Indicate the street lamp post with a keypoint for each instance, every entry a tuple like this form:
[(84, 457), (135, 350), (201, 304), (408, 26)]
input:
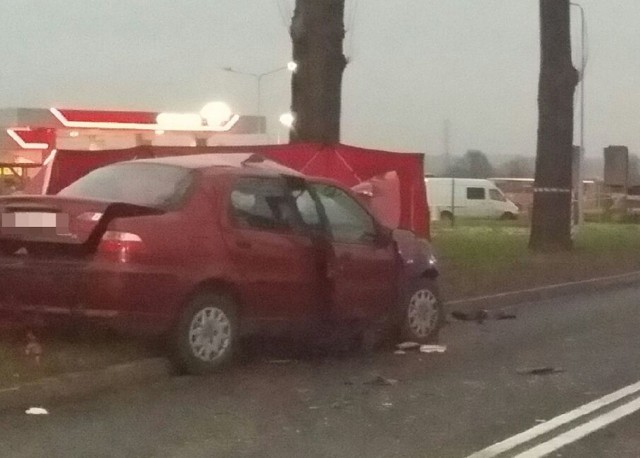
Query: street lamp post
[(583, 64), (291, 66)]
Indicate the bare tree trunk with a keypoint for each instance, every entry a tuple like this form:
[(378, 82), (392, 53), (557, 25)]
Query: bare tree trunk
[(317, 33), (551, 220)]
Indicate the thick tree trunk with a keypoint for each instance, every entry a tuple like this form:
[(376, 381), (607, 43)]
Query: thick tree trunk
[(317, 33), (551, 220)]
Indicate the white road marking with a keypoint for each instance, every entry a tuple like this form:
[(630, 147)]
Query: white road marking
[(556, 422), (581, 431)]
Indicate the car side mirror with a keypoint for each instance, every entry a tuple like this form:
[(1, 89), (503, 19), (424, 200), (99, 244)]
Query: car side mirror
[(384, 236)]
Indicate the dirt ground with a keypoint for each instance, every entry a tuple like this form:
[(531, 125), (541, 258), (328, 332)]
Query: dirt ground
[(50, 352)]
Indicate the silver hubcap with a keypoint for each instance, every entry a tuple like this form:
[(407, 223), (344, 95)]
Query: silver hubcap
[(423, 313), (209, 334)]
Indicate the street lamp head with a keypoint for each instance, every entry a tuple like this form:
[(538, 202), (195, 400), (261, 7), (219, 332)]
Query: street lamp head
[(292, 66), (287, 120), (216, 113)]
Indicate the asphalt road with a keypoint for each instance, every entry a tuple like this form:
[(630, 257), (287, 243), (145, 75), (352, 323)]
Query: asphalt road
[(453, 404)]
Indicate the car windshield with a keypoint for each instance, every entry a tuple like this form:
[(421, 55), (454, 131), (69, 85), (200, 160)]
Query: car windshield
[(496, 195), (149, 185)]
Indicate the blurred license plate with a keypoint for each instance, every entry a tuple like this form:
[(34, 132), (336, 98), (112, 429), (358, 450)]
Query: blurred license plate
[(34, 219)]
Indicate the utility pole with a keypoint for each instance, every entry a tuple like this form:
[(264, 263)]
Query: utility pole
[(583, 65), (446, 140), (448, 164), (551, 219)]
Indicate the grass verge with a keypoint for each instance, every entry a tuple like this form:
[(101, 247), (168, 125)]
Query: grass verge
[(478, 259)]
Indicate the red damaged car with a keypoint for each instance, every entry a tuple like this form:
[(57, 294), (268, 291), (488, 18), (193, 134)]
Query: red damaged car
[(203, 249)]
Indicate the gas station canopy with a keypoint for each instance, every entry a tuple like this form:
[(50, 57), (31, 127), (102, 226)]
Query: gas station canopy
[(28, 135)]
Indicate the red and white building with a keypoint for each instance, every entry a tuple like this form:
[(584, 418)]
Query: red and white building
[(29, 135)]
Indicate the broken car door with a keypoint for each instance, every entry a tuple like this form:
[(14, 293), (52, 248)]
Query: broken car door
[(363, 263), (273, 253)]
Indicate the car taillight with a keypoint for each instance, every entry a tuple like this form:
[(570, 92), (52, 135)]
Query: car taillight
[(120, 246)]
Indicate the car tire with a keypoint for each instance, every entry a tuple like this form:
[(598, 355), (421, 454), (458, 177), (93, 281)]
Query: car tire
[(422, 312), (507, 216), (206, 334)]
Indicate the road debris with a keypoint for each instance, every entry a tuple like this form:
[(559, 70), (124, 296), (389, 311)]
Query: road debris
[(280, 361), (341, 404), (433, 348), (36, 411), (502, 315), (407, 345), (422, 348), (382, 381), (545, 370), (387, 404), (33, 348), (480, 316)]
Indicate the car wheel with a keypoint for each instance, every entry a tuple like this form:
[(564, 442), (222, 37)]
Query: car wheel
[(507, 216), (206, 334), (422, 312)]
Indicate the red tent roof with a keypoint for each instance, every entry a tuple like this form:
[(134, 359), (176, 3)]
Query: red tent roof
[(348, 165)]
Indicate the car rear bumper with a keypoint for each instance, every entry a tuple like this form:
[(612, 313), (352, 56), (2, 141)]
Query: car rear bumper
[(139, 299)]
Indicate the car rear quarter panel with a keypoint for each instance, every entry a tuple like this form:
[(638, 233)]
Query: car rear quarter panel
[(184, 251)]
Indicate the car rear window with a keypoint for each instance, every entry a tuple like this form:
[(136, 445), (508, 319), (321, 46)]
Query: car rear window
[(150, 185)]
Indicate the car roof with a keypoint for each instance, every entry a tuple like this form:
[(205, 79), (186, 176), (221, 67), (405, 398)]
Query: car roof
[(223, 163)]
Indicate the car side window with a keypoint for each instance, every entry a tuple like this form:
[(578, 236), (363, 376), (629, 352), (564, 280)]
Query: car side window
[(348, 221), (475, 193), (307, 208), (262, 203)]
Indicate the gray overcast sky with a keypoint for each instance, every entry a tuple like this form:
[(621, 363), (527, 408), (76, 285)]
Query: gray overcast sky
[(413, 63)]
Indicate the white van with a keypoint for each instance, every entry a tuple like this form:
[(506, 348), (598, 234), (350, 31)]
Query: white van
[(467, 198)]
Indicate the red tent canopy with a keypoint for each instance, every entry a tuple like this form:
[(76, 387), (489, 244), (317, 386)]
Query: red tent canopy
[(346, 164)]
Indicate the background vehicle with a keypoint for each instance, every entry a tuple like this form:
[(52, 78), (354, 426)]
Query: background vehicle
[(205, 248), (467, 198)]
